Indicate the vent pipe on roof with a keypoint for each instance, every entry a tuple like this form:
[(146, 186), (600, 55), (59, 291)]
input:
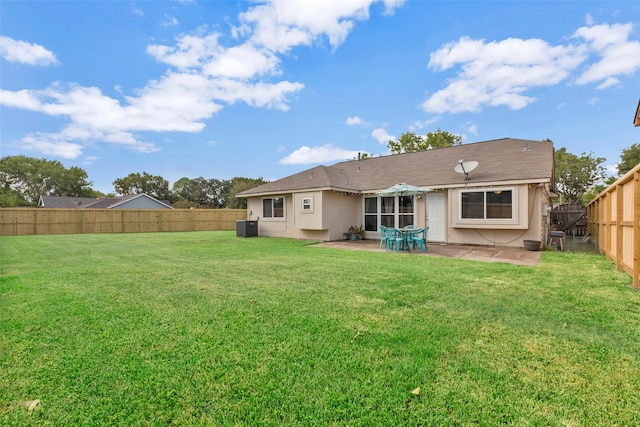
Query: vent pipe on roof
[(358, 156)]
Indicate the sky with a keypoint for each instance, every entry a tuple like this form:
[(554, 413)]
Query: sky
[(265, 89)]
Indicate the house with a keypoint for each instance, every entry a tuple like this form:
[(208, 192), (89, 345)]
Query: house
[(636, 119), (503, 201), (136, 201)]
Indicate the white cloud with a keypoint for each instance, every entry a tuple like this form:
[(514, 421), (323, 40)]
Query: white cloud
[(472, 128), (137, 11), (382, 136), (26, 53), (422, 124), (618, 54), (609, 82), (24, 98), (390, 6), (323, 154), (89, 160), (243, 62), (169, 21), (589, 19), (190, 51), (498, 73), (203, 75), (280, 25), (45, 145), (257, 95), (355, 121)]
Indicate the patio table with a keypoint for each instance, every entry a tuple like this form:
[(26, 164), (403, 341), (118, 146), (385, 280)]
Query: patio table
[(405, 234)]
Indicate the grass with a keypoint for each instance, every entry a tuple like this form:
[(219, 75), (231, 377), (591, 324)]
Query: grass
[(209, 329)]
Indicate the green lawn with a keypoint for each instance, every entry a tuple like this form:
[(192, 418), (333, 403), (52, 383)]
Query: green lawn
[(208, 329)]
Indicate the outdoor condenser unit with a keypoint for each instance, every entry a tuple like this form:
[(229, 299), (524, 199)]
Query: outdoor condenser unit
[(247, 228)]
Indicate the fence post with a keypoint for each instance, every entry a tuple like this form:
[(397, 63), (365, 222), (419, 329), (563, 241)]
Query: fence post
[(636, 229), (619, 227)]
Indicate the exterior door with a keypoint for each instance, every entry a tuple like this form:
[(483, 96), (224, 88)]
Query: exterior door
[(436, 217)]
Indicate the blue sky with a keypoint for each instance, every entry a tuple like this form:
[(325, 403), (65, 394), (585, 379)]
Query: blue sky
[(269, 88)]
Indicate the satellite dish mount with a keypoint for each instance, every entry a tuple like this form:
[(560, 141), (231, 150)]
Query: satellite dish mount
[(465, 168)]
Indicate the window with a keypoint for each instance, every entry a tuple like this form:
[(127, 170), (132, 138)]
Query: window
[(388, 211), (487, 204), (307, 204), (273, 208), (371, 214), (405, 211)]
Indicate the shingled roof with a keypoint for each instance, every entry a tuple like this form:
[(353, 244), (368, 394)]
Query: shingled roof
[(501, 160), (92, 203)]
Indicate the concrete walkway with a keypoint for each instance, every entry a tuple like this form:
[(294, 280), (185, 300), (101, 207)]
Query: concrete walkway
[(508, 255)]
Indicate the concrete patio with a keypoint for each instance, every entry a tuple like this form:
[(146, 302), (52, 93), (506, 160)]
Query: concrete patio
[(509, 255)]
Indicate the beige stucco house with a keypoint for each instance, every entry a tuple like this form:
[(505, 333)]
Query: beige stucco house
[(502, 202)]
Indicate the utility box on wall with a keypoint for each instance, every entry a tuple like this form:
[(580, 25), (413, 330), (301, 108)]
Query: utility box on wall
[(246, 228)]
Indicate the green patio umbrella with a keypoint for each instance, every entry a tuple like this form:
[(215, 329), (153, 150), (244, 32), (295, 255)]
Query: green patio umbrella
[(402, 189)]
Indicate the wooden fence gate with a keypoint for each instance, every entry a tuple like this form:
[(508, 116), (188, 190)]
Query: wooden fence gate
[(570, 219)]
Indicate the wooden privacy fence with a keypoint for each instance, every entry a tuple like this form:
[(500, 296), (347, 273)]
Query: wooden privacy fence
[(27, 221), (614, 223), (571, 219)]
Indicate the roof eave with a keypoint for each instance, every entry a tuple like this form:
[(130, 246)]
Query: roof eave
[(300, 190)]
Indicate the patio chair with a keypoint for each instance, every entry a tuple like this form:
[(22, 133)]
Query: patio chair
[(397, 239), (419, 238), (390, 238), (384, 236)]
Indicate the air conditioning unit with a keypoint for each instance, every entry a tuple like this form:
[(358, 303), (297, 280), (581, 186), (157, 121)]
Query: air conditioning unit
[(247, 228)]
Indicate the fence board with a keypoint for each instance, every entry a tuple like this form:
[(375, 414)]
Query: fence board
[(614, 223), (29, 221)]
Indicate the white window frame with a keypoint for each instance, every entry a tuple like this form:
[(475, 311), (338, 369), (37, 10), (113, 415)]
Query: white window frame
[(306, 204), (396, 211), (484, 219)]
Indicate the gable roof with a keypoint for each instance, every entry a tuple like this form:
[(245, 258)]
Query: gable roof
[(65, 202), (636, 120), (500, 160), (93, 203)]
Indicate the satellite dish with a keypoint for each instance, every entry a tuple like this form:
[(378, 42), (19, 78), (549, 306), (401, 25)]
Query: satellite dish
[(465, 168)]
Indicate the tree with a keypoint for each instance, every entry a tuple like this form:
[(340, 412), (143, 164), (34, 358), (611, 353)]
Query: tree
[(575, 176), (239, 184), (597, 189), (193, 191), (200, 192), (442, 138), (410, 142), (629, 159), (24, 179), (134, 183)]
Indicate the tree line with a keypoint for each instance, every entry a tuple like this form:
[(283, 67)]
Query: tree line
[(24, 179)]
